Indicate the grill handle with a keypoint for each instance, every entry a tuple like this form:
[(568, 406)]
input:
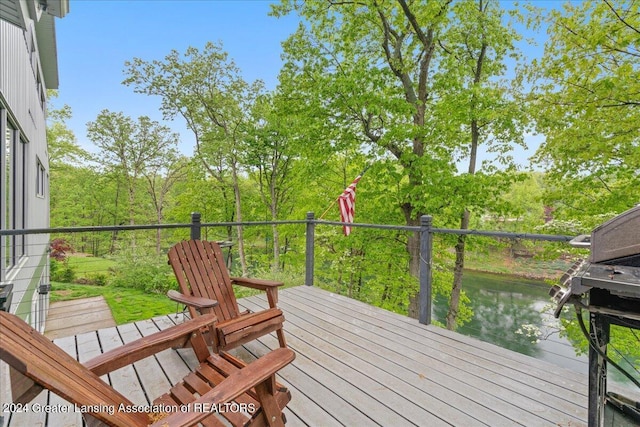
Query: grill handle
[(582, 241)]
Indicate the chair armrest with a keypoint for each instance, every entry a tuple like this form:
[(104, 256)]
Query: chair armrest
[(190, 300), (175, 336), (261, 284), (233, 386)]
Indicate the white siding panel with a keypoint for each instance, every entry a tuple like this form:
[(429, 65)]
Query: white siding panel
[(19, 88), (18, 84)]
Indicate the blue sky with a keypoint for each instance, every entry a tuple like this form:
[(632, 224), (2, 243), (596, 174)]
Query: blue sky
[(97, 36)]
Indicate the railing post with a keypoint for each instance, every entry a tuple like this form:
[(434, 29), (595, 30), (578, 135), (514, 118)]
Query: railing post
[(196, 228), (309, 257), (424, 298)]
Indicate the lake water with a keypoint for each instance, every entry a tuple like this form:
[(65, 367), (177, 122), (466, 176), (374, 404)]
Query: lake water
[(502, 304)]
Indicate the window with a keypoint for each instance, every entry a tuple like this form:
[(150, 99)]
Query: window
[(12, 192), (8, 175), (41, 178)]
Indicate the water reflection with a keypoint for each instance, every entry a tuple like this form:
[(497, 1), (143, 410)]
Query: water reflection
[(502, 305)]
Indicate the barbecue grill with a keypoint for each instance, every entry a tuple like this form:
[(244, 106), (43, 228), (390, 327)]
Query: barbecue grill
[(607, 285)]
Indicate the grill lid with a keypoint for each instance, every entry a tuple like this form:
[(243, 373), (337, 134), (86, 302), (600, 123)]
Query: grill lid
[(614, 264), (617, 238)]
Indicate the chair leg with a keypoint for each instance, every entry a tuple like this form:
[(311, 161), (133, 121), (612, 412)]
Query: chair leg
[(272, 413), (281, 339)]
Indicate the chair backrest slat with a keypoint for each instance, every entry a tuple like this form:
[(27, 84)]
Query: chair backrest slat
[(201, 271), (34, 356)]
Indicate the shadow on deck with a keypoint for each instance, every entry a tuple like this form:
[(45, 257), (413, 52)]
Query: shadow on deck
[(359, 365)]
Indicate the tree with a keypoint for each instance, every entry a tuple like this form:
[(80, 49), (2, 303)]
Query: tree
[(484, 110), (525, 198), (62, 145), (199, 192), (586, 96), (413, 85), (79, 194), (270, 159), (206, 89), (130, 148), (363, 70), (161, 177)]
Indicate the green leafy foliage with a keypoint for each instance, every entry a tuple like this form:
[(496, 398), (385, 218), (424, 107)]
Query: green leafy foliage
[(147, 274), (418, 87), (586, 104), (133, 149), (62, 271), (623, 349)]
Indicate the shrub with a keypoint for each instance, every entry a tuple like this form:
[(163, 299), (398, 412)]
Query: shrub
[(59, 248), (99, 279), (148, 275), (54, 267), (59, 268), (61, 271)]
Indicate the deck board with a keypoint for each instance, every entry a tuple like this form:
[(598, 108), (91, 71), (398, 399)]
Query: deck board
[(483, 372), (73, 317), (482, 352), (424, 380), (360, 365), (71, 418)]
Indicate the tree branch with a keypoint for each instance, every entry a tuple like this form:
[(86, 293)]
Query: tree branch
[(424, 38), (394, 56), (620, 18)]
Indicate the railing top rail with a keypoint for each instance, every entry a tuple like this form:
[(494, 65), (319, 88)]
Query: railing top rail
[(507, 234), (434, 230), (85, 229), (363, 225)]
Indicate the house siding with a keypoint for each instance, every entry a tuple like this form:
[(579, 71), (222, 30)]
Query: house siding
[(21, 99), (25, 72), (20, 79)]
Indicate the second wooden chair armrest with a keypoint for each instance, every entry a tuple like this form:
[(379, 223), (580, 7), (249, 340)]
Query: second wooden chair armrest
[(261, 284), (269, 286), (190, 300)]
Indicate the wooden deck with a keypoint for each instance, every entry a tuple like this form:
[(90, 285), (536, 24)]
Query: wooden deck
[(358, 365), (77, 316)]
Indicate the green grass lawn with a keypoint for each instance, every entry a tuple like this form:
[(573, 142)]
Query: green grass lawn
[(126, 304), (89, 264)]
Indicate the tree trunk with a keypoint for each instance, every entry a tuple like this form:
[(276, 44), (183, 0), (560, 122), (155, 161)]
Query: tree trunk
[(273, 206), (114, 235), (458, 270), (413, 248), (276, 248), (236, 191), (160, 218), (132, 216)]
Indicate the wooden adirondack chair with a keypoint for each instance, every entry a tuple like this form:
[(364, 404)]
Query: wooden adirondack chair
[(219, 379), (206, 287)]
